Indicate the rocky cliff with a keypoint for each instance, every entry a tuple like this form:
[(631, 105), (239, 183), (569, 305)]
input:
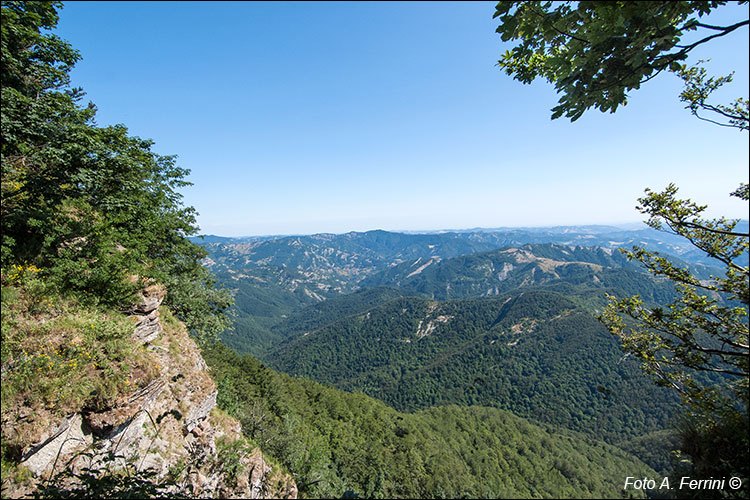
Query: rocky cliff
[(165, 436)]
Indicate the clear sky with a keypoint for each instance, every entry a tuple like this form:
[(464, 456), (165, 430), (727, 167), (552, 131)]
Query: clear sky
[(313, 117)]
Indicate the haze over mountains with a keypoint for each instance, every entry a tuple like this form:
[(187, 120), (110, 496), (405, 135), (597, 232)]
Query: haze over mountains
[(500, 318), (384, 245), (274, 276), (466, 363)]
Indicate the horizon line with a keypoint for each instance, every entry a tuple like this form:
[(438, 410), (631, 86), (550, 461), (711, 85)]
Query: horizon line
[(619, 225), (627, 226)]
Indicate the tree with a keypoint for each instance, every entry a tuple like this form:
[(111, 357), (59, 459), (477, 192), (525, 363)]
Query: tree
[(595, 53), (706, 329), (697, 345), (92, 206)]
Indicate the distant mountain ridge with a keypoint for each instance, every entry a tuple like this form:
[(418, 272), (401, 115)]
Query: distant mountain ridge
[(553, 266), (386, 245), (275, 276)]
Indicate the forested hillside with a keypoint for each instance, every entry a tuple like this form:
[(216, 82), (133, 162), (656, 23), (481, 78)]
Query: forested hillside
[(338, 444), (594, 270), (94, 238), (520, 335), (534, 353), (139, 360)]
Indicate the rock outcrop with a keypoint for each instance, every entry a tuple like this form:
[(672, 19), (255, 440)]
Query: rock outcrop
[(148, 327), (167, 428)]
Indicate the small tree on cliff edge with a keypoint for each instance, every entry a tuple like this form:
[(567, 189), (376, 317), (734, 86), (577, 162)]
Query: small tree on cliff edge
[(594, 53)]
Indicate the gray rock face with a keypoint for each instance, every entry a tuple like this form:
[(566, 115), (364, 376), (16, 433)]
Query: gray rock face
[(146, 311), (147, 329), (150, 300), (166, 424), (199, 413), (66, 438), (110, 424)]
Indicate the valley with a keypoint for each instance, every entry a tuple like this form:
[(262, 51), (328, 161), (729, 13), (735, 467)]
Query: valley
[(504, 320), (340, 444), (274, 277)]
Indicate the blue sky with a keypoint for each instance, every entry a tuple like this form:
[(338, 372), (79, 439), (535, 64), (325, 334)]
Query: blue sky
[(312, 117)]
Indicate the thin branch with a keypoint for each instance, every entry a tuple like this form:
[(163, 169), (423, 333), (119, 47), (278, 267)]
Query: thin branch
[(718, 352), (599, 87), (711, 27), (723, 321), (720, 370), (695, 225), (736, 345), (720, 111), (728, 262), (652, 76), (663, 376), (668, 269), (671, 57), (665, 329), (688, 48), (714, 121)]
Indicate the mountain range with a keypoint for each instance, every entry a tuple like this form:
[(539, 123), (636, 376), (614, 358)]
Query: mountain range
[(273, 277), (503, 319)]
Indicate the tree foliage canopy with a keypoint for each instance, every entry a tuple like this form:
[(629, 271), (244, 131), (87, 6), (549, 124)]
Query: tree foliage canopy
[(595, 52), (338, 444), (706, 329), (94, 207)]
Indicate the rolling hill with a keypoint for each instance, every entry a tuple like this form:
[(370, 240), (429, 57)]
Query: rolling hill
[(274, 277), (535, 353), (343, 445)]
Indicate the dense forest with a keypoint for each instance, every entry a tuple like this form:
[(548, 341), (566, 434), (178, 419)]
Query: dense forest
[(268, 292), (533, 353), (341, 444), (91, 216)]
